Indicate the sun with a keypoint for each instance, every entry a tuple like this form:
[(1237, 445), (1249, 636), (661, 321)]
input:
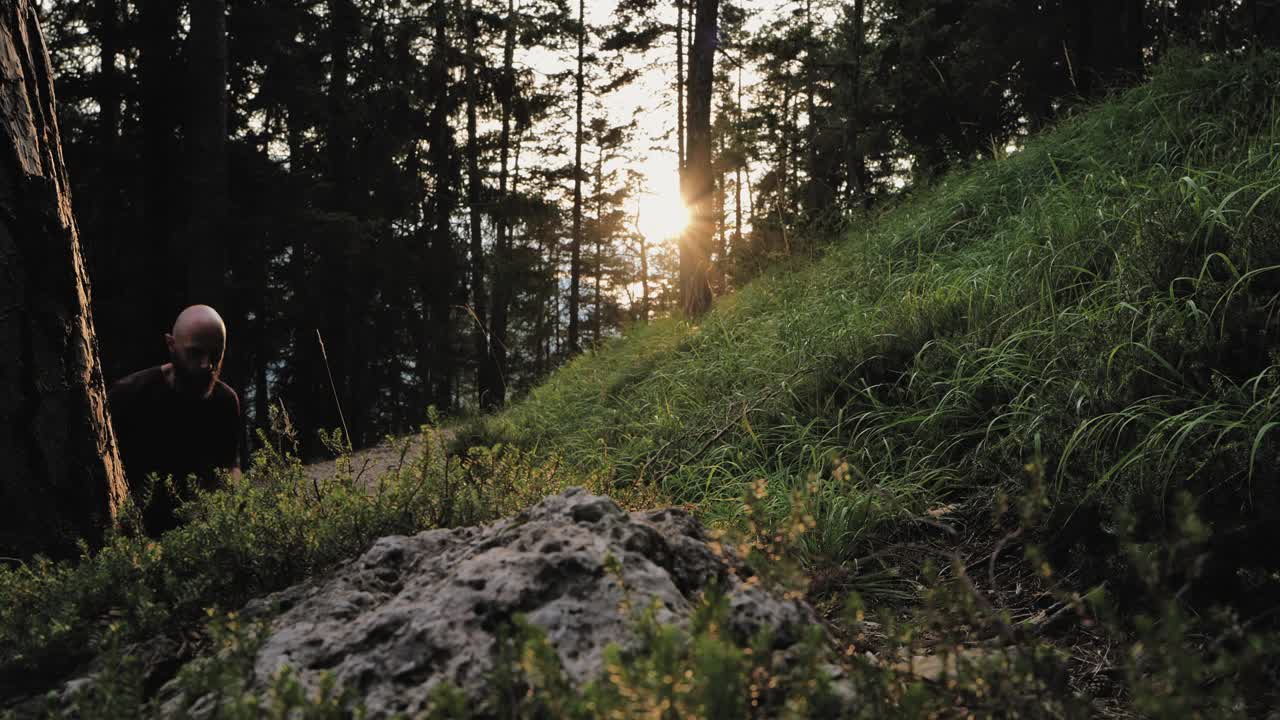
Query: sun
[(663, 216)]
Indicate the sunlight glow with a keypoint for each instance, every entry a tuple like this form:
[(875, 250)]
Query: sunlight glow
[(663, 216)]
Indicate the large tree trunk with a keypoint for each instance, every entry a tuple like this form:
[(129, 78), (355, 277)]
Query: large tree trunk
[(61, 477), (209, 246), (680, 129), (855, 161), (495, 393), (695, 250), (479, 297), (160, 82), (338, 324), (575, 250), (816, 192), (107, 93), (737, 165), (206, 239), (436, 359)]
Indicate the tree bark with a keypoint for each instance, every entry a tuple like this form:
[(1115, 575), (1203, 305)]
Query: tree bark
[(158, 80), (815, 190), (497, 361), (475, 237), (575, 251), (644, 279), (722, 240), (436, 362), (695, 249), (62, 477), (737, 165), (206, 239), (108, 97), (680, 86), (599, 246), (855, 161)]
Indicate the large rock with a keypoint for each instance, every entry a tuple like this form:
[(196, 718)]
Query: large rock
[(413, 612)]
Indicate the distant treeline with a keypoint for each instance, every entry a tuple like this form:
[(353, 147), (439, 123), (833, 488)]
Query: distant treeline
[(395, 178)]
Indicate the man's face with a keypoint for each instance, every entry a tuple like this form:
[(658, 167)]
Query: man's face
[(197, 360)]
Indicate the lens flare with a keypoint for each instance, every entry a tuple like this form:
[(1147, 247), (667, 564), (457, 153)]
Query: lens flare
[(663, 217)]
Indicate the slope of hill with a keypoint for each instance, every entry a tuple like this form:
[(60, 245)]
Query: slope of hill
[(1084, 330), (1101, 302)]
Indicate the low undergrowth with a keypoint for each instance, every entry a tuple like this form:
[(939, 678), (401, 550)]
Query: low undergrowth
[(272, 529), (951, 653)]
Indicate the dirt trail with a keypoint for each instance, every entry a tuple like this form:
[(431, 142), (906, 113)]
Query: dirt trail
[(372, 463)]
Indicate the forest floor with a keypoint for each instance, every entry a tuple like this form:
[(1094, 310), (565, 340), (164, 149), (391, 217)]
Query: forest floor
[(370, 464)]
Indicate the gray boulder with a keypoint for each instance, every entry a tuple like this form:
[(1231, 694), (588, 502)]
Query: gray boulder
[(413, 612)]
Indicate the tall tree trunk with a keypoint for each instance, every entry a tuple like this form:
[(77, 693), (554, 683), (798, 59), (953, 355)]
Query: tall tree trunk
[(108, 96), (159, 80), (541, 327), (695, 250), (855, 161), (719, 266), (436, 363), (737, 165), (207, 135), (341, 317), (62, 477), (644, 280), (209, 245), (599, 233), (343, 21), (575, 251), (643, 315), (475, 185), (680, 87), (782, 194), (815, 191), (495, 390)]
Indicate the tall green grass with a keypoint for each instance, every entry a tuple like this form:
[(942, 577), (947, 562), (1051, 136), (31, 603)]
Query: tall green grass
[(1103, 302)]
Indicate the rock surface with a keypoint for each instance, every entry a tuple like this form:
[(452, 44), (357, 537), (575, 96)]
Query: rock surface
[(413, 612)]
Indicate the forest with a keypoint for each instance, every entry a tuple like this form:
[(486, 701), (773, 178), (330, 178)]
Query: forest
[(278, 159), (925, 351)]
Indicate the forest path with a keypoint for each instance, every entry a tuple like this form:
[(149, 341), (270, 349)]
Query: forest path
[(371, 463)]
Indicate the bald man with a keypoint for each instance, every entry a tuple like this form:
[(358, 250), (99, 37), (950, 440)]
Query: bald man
[(178, 419)]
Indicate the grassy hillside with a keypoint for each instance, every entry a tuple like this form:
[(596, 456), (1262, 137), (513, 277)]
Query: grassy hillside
[(1101, 302), (1027, 419), (1069, 355)]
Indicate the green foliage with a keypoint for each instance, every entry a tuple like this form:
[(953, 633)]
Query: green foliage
[(1099, 306), (1102, 297), (273, 528), (670, 672)]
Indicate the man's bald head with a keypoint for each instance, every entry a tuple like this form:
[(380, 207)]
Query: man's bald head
[(196, 347), (199, 320)]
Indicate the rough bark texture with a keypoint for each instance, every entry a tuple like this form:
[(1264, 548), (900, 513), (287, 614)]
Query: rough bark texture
[(60, 474), (699, 185)]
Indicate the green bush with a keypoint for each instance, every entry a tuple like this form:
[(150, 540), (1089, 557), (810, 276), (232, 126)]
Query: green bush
[(270, 530)]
